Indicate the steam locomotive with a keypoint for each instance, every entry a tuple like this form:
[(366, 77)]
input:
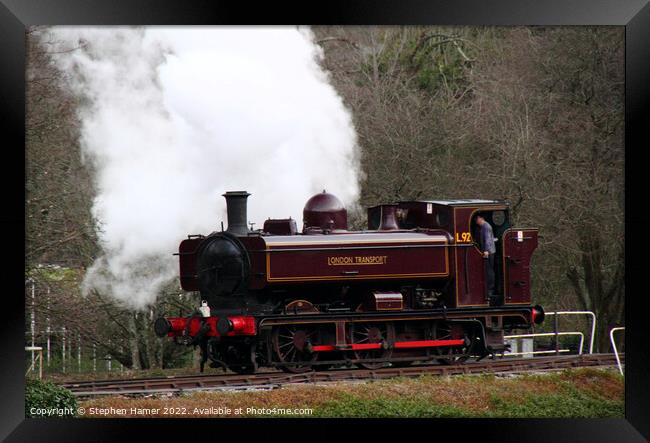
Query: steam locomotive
[(412, 287)]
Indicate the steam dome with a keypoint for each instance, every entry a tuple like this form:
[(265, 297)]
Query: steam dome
[(325, 211)]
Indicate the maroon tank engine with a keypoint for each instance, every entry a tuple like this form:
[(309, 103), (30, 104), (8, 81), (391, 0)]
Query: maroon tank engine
[(411, 287)]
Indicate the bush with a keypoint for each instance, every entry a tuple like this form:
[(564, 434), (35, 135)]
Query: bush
[(45, 399)]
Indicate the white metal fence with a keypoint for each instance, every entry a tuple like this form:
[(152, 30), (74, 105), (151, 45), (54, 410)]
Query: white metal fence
[(39, 359), (611, 339), (545, 334), (557, 333), (64, 351), (593, 323)]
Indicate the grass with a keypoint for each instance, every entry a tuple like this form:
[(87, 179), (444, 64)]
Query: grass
[(570, 393)]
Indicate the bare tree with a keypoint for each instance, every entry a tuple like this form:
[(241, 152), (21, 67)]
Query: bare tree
[(534, 115), (59, 191)]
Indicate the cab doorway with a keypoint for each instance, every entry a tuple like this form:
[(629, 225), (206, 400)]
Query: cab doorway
[(498, 221)]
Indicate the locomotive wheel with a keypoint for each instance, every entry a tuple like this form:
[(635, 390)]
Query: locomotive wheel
[(291, 345), (361, 333), (450, 331)]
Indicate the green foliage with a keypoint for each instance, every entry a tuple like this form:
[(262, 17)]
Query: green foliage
[(50, 274), (568, 403), (352, 406), (571, 393), (46, 395)]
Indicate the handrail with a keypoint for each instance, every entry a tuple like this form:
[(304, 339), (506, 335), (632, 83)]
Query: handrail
[(611, 339), (593, 323), (545, 334)]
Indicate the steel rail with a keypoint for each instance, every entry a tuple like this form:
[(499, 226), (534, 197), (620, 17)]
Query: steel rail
[(272, 380)]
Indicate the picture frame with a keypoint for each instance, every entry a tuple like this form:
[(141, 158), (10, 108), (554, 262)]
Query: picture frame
[(634, 15)]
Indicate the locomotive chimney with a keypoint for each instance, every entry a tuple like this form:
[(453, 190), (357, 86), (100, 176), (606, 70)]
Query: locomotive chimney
[(388, 218), (237, 216)]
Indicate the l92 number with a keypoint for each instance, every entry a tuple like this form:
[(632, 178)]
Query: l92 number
[(463, 237)]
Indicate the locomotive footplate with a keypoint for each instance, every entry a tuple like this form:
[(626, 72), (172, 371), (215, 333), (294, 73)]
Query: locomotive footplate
[(518, 312)]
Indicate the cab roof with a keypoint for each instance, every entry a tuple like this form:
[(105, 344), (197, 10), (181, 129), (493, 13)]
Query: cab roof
[(462, 202)]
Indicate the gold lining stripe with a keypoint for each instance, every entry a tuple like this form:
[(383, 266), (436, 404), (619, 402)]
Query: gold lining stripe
[(437, 239), (356, 277), (355, 264), (276, 321), (455, 257), (269, 278)]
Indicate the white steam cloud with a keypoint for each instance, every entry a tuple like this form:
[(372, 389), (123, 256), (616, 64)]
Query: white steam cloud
[(174, 117)]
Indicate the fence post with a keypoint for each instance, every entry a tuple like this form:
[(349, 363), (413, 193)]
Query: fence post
[(39, 349), (108, 358), (593, 332), (555, 329), (48, 328), (78, 352), (63, 349), (48, 331), (33, 318)]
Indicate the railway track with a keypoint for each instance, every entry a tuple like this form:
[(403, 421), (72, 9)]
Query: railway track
[(270, 380)]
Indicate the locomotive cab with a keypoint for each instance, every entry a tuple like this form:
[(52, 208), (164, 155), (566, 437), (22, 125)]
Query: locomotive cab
[(499, 220), (514, 250), (514, 247)]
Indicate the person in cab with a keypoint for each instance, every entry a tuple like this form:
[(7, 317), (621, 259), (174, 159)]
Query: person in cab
[(488, 248)]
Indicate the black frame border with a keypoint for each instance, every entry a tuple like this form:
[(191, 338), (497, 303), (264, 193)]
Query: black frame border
[(634, 15)]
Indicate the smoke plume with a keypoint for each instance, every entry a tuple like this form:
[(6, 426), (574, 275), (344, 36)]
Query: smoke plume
[(174, 117)]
